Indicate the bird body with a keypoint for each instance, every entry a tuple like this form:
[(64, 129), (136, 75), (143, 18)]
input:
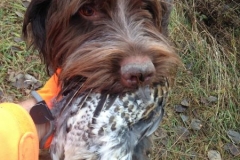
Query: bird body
[(118, 52), (98, 126)]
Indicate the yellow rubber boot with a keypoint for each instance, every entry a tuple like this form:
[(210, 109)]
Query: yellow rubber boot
[(18, 134)]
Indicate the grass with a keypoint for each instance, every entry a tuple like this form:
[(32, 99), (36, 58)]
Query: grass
[(14, 56), (211, 69)]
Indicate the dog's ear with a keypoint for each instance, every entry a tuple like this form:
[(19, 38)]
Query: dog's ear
[(34, 27), (166, 6)]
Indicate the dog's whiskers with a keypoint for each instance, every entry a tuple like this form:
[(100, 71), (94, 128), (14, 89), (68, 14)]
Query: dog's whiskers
[(117, 67)]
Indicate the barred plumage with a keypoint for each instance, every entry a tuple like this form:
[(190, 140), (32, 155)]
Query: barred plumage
[(118, 50), (106, 127)]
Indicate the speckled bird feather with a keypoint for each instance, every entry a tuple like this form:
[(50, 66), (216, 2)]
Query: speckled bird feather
[(98, 126)]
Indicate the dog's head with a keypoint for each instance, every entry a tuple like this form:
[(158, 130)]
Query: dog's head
[(111, 45)]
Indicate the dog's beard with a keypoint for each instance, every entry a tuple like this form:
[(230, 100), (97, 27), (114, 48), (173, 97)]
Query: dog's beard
[(91, 48), (100, 70), (101, 49)]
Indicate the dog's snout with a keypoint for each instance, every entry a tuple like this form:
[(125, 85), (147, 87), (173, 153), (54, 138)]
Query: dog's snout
[(136, 71)]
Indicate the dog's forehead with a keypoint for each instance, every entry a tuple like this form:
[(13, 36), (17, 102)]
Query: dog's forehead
[(115, 4), (124, 4)]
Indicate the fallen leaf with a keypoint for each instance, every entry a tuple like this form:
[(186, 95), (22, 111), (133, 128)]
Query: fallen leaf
[(234, 136), (26, 4), (30, 79), (214, 155), (180, 108), (212, 99), (18, 81), (233, 149), (184, 118), (24, 81), (196, 124), (185, 103), (19, 14), (182, 132)]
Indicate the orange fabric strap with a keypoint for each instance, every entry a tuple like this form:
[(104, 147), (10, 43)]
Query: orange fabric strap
[(50, 90)]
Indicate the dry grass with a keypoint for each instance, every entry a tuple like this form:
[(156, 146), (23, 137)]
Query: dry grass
[(14, 57), (211, 69)]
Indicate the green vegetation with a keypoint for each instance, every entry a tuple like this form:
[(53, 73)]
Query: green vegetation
[(207, 40), (206, 34), (14, 56)]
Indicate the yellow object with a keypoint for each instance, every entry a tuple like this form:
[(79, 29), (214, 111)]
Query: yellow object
[(18, 134)]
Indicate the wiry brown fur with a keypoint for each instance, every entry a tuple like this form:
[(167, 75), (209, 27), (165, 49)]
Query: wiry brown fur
[(90, 49)]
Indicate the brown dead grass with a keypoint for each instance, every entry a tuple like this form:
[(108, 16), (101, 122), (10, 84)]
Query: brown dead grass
[(206, 35), (209, 47)]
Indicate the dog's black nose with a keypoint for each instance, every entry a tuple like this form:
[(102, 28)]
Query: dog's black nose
[(137, 71)]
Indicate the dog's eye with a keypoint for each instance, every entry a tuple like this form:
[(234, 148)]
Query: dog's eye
[(87, 10)]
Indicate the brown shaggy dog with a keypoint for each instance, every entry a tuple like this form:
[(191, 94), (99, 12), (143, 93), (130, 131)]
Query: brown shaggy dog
[(105, 47)]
